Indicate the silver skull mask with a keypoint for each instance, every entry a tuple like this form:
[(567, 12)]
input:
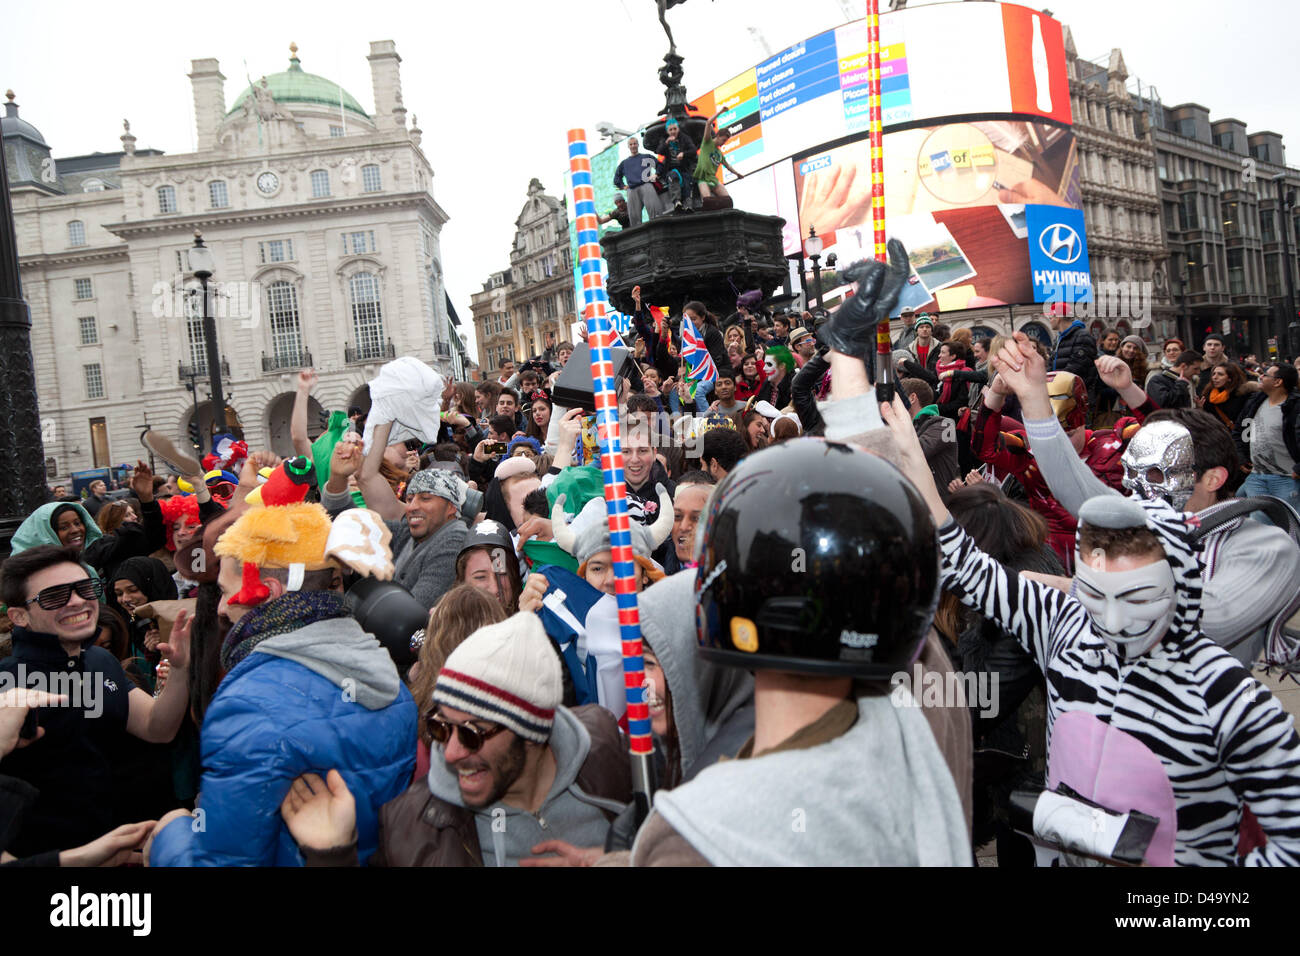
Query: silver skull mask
[(1159, 463)]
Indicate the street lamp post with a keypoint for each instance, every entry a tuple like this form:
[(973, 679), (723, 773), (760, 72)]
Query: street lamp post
[(22, 456), (202, 263), (1286, 200), (813, 247)]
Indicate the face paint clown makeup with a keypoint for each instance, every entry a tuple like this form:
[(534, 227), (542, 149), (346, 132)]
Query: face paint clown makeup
[(1159, 463)]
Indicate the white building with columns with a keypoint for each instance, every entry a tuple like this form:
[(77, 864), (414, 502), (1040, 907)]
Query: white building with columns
[(325, 231)]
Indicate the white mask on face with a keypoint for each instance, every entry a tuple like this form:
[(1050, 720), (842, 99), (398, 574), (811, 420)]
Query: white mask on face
[(1130, 610), (769, 365)]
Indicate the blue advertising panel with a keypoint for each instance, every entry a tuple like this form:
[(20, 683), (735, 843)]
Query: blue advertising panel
[(1058, 254)]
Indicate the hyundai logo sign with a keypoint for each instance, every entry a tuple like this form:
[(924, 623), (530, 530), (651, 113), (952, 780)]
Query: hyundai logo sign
[(1061, 244)]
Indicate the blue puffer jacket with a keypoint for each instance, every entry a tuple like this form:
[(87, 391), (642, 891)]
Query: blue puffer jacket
[(323, 697)]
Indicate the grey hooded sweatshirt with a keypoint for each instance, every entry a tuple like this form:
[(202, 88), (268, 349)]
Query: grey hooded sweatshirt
[(879, 795), (713, 707), (345, 655), (507, 834)]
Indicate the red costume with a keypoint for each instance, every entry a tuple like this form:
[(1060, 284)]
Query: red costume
[(1007, 452)]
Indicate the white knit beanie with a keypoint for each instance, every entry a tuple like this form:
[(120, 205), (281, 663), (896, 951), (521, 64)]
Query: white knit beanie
[(506, 673)]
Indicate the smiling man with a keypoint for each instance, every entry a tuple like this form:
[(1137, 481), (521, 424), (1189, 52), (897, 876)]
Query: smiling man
[(642, 471), (54, 606), (521, 779)]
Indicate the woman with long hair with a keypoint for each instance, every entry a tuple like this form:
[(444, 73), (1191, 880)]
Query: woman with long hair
[(539, 415), (115, 514), (1009, 744), (458, 614), (754, 430), (1134, 352), (706, 323), (1224, 393)]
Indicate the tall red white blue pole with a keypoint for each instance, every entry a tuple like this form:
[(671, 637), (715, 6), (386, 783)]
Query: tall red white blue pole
[(600, 336), (884, 367)]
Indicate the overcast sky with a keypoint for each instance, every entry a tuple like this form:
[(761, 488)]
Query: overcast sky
[(496, 83)]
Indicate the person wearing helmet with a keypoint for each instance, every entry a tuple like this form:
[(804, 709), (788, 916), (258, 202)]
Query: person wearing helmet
[(818, 571), (1007, 449), (1144, 712), (488, 562)]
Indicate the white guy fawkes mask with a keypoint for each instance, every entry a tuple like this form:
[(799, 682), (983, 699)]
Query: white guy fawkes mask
[(1130, 610), (1159, 463), (769, 365)]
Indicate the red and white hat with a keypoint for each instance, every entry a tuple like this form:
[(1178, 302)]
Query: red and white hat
[(506, 673)]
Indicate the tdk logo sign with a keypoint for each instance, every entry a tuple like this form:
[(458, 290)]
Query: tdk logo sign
[(1058, 254), (1060, 244)]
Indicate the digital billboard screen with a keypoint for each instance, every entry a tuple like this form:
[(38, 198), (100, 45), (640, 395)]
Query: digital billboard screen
[(978, 152)]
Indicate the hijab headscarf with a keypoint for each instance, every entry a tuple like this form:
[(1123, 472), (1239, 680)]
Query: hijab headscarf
[(149, 575)]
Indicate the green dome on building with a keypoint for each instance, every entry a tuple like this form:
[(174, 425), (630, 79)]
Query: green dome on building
[(296, 86)]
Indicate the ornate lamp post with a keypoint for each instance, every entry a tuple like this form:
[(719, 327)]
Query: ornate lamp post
[(22, 456), (812, 247), (202, 264)]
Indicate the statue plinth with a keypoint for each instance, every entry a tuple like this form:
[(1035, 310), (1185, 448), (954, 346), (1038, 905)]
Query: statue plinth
[(710, 256)]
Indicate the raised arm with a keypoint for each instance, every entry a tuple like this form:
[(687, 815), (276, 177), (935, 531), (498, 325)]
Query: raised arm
[(156, 719), (1068, 477), (374, 487), (298, 417), (1024, 608)]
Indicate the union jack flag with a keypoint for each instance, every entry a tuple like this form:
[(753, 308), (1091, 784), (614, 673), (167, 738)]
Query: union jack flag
[(696, 356)]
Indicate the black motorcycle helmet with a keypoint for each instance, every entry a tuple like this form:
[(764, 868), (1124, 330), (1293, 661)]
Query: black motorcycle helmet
[(389, 612), (818, 558)]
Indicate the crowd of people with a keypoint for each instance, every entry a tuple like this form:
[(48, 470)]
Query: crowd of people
[(400, 646)]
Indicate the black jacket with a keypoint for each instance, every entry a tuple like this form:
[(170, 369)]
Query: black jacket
[(71, 766), (1076, 351), (1169, 390), (1290, 425), (802, 393), (128, 541)]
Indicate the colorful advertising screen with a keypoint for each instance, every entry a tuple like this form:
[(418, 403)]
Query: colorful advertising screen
[(981, 167), (937, 61)]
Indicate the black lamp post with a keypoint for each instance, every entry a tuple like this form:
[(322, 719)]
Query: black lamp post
[(1286, 202), (22, 456), (202, 263), (813, 247)]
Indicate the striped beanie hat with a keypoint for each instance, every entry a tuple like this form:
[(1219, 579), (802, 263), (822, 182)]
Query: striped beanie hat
[(507, 674)]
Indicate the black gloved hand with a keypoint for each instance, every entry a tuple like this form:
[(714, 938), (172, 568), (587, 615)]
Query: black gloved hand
[(852, 329)]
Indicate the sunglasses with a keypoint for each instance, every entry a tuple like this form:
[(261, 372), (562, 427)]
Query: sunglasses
[(470, 737), (56, 597)]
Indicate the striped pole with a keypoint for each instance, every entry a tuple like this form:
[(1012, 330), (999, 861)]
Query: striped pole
[(600, 336), (884, 367)]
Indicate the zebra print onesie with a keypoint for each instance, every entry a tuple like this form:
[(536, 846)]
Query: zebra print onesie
[(1221, 738)]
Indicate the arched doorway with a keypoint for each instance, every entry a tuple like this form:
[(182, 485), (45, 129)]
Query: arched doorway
[(203, 416), (1038, 332), (278, 413)]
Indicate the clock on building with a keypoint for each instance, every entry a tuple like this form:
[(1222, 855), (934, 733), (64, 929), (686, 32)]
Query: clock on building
[(268, 183)]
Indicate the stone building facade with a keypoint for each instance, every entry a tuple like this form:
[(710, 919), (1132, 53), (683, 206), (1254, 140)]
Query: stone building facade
[(325, 232), (527, 310), (1224, 193)]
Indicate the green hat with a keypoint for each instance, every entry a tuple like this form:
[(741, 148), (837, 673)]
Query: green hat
[(924, 319), (323, 447), (578, 485)]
